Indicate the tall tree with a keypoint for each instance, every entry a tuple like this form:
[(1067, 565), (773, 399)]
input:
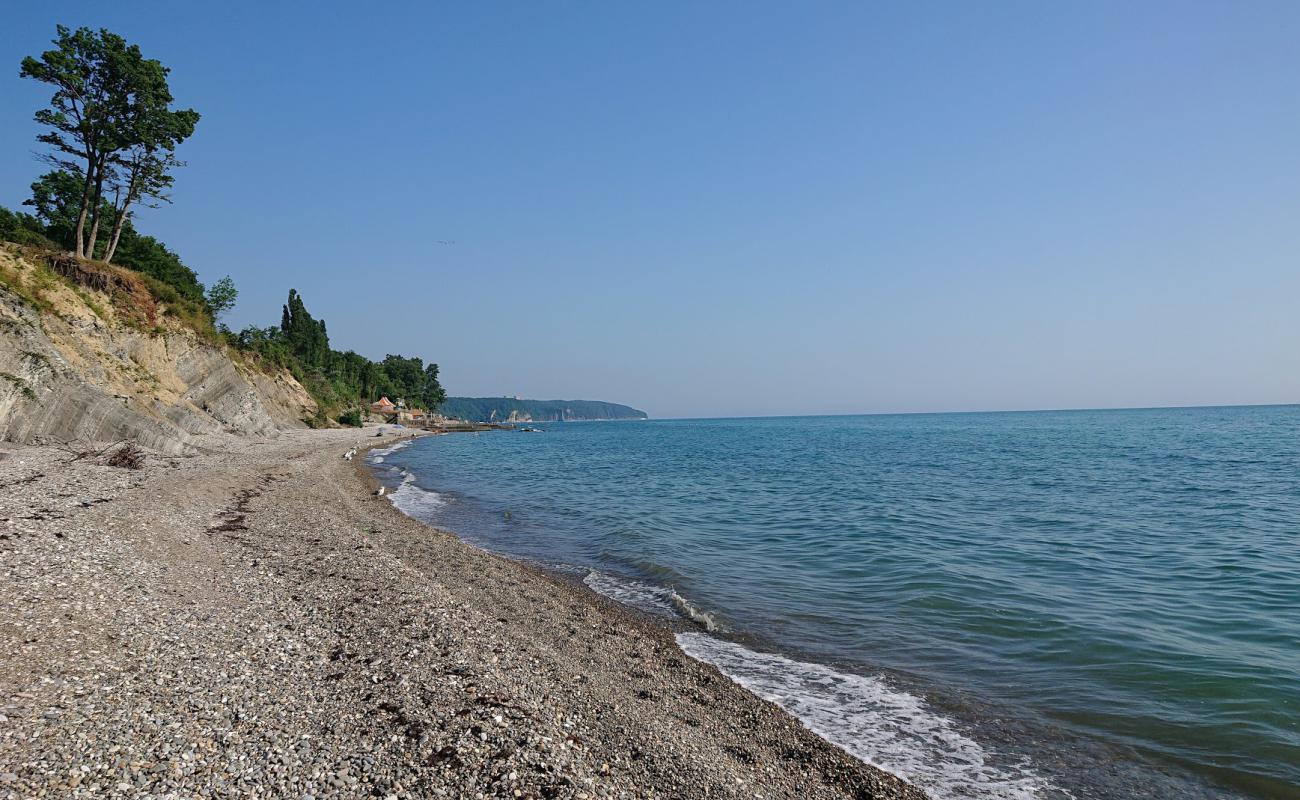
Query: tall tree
[(79, 117), (142, 176), (305, 336), (143, 169), (221, 297), (433, 395), (109, 100), (405, 378), (55, 195)]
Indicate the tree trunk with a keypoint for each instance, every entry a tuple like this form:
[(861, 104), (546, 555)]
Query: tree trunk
[(80, 248), (94, 233), (118, 223), (119, 219), (96, 201)]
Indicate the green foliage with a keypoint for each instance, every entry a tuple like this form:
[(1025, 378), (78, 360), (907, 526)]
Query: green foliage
[(269, 347), (91, 303), (194, 313), (54, 197), (408, 379), (110, 125), (147, 255), (433, 395), (221, 297), (169, 280), (111, 133), (354, 375), (350, 418), (318, 421), (86, 109), (22, 229), (305, 335), (31, 290), (337, 379)]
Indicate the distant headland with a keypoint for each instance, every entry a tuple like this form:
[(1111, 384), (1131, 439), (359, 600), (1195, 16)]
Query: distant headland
[(515, 409)]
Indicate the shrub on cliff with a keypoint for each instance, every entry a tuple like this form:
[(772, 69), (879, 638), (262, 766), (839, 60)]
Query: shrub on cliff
[(22, 228), (54, 198)]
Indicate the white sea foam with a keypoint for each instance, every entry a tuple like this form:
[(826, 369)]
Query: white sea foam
[(629, 592), (885, 727), (650, 598), (413, 501), (377, 455), (684, 607)]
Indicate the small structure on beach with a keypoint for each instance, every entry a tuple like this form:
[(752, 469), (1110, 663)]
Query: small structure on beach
[(383, 406), (412, 416)]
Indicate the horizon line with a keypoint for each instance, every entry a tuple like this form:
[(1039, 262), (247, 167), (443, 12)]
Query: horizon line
[(978, 411)]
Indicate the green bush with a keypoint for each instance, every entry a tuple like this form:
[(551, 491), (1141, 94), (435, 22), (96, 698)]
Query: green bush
[(22, 229), (194, 313), (151, 257), (351, 418)]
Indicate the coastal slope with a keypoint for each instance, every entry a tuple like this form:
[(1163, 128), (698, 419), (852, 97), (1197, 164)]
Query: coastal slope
[(254, 620), (88, 354)]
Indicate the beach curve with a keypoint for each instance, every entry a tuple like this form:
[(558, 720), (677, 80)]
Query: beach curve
[(253, 618)]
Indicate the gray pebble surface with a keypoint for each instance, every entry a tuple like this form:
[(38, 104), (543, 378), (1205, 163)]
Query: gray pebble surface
[(252, 622)]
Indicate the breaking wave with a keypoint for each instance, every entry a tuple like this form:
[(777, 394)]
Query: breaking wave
[(413, 501), (874, 722), (652, 599), (378, 454), (883, 726)]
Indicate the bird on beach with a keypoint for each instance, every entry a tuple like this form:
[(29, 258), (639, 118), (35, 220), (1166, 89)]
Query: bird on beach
[(380, 493)]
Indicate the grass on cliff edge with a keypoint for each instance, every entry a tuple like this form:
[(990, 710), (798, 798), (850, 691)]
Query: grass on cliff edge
[(132, 298), (136, 300)]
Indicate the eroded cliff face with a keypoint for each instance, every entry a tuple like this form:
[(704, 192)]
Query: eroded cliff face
[(75, 367)]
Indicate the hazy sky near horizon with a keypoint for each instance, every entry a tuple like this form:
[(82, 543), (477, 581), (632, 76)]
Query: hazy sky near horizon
[(715, 209)]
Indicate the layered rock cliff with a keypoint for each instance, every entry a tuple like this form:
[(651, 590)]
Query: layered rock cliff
[(88, 355)]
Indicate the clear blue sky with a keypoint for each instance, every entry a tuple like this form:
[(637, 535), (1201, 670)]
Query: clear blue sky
[(744, 208)]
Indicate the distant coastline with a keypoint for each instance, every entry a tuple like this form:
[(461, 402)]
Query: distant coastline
[(518, 409)]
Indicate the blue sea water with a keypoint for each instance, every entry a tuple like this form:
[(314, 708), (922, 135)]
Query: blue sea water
[(1089, 604)]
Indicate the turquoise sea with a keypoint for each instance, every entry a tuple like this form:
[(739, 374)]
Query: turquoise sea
[(1088, 604)]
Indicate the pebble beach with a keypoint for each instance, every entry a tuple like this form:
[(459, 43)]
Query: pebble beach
[(253, 622)]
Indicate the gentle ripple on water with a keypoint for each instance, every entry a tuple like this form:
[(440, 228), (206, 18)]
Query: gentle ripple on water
[(1108, 603)]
